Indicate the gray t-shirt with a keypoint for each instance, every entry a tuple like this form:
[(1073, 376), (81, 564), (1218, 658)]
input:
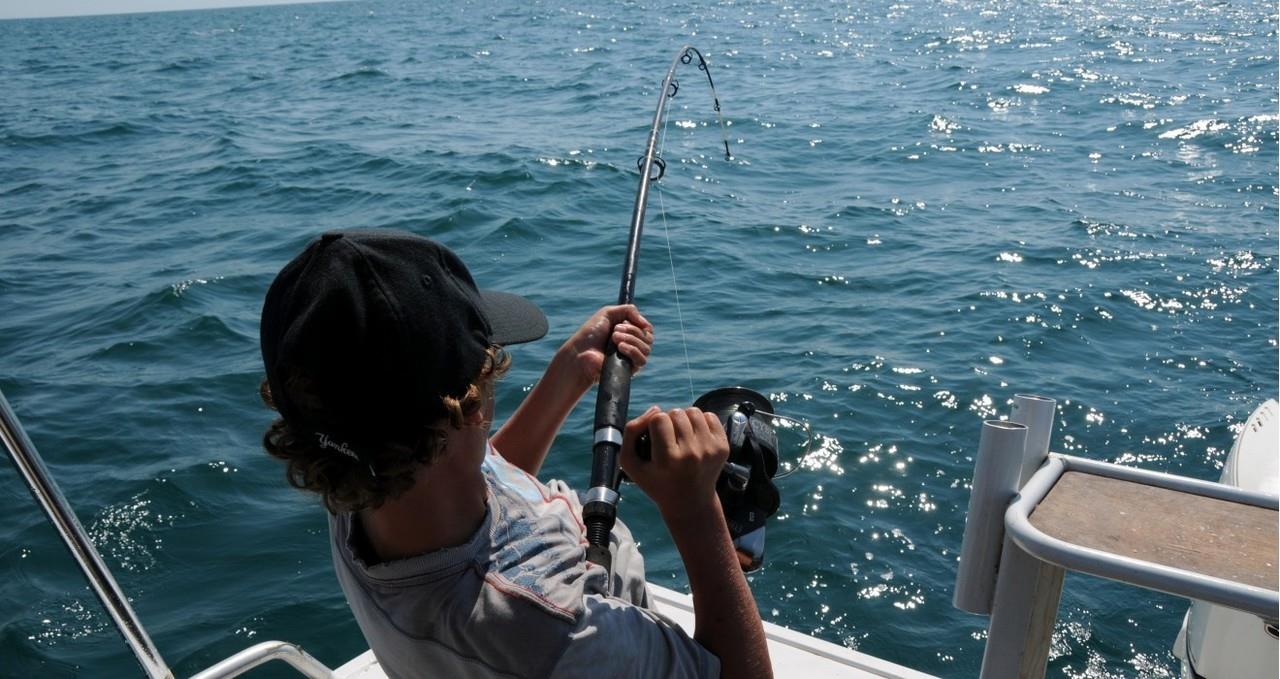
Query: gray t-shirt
[(519, 599)]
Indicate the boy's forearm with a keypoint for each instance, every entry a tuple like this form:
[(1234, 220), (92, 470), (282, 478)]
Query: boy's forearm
[(726, 620), (526, 436)]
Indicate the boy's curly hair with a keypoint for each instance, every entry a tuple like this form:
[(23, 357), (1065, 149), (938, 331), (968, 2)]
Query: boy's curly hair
[(346, 484)]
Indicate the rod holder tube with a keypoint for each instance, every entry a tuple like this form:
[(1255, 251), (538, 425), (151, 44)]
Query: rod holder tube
[(1036, 413), (32, 469), (995, 482)]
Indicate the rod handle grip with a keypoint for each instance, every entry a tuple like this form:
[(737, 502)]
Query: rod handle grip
[(611, 402)]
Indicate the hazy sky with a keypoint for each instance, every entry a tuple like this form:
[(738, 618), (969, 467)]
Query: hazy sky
[(25, 9)]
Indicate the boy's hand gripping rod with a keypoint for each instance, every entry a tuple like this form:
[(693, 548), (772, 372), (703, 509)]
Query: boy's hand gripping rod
[(601, 508)]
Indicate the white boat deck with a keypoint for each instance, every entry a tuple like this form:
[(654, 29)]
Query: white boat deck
[(794, 655)]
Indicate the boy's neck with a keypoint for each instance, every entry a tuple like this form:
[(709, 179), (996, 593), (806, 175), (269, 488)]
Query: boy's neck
[(443, 509)]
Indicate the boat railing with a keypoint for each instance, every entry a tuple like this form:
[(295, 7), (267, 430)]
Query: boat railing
[(264, 652), (36, 475), (1034, 515)]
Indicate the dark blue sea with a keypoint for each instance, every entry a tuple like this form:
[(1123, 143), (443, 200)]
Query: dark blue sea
[(932, 206)]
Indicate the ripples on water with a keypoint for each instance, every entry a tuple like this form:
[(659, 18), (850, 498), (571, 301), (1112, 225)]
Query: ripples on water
[(933, 205)]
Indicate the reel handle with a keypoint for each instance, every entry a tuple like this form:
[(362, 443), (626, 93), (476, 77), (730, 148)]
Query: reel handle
[(734, 475), (737, 433)]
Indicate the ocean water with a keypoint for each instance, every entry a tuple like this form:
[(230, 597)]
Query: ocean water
[(931, 206)]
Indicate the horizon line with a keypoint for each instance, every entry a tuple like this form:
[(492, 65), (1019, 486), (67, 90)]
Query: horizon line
[(201, 6)]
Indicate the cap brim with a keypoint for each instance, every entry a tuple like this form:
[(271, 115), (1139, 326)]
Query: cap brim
[(513, 319)]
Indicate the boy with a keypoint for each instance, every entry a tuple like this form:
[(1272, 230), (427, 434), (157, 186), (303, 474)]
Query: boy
[(382, 357)]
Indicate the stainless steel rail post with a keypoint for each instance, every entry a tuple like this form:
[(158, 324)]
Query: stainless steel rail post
[(46, 492), (1025, 606)]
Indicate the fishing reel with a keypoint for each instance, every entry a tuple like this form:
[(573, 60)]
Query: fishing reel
[(746, 489)]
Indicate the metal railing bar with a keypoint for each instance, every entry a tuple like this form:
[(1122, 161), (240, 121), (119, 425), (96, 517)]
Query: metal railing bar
[(265, 652)]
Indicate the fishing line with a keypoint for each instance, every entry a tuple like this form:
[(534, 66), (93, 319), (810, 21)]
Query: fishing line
[(675, 291), (675, 287), (685, 58)]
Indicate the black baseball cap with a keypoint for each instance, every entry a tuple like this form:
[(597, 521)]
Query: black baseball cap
[(365, 330)]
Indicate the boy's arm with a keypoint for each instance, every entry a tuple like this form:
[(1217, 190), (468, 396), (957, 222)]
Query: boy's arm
[(689, 450), (726, 621), (526, 436)]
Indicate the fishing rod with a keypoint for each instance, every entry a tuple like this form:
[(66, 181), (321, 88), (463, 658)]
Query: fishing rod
[(600, 510)]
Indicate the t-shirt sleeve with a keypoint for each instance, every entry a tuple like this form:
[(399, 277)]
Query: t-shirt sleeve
[(616, 639)]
